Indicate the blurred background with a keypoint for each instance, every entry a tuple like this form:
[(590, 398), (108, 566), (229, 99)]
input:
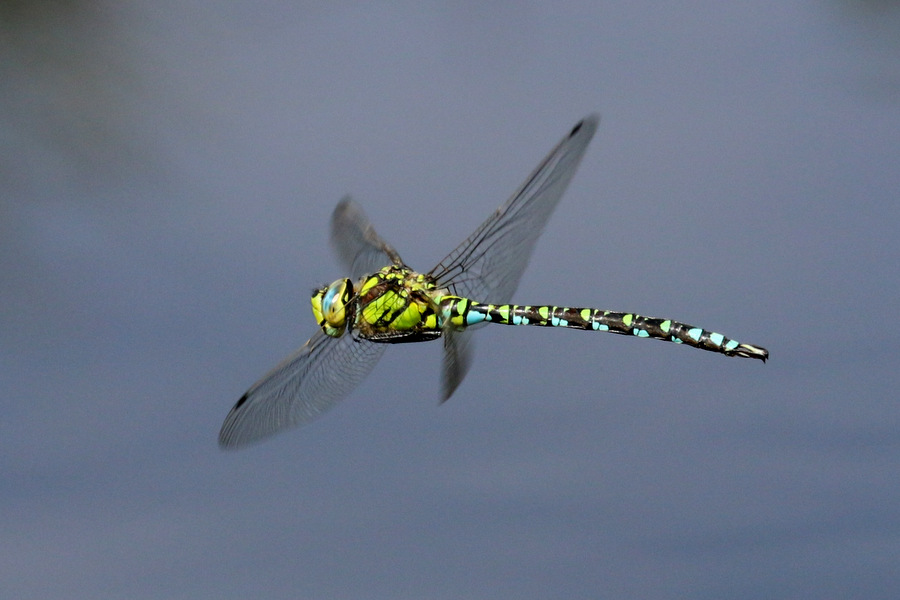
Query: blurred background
[(167, 172)]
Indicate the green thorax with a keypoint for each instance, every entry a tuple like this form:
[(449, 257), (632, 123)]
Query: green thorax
[(396, 304)]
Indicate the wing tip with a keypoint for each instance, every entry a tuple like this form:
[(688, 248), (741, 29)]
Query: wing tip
[(226, 442), (588, 123), (231, 439), (230, 436)]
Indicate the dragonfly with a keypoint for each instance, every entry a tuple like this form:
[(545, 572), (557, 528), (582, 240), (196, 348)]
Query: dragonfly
[(383, 301)]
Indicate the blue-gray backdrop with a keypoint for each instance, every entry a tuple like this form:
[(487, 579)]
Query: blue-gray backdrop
[(168, 171)]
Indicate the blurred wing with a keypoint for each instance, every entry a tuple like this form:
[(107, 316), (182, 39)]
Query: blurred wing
[(488, 265), (458, 349), (305, 385), (359, 248)]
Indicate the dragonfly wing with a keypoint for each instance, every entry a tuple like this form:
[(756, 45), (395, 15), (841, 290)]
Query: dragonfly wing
[(488, 265), (458, 349), (360, 249), (302, 387)]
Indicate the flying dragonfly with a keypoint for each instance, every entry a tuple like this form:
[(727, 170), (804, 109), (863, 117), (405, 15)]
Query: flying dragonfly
[(383, 301)]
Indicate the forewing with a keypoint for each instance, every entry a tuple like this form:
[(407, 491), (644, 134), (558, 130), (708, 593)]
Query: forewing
[(302, 387), (359, 248), (488, 265)]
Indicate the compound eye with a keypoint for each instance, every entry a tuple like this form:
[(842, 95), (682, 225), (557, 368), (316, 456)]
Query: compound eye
[(329, 305)]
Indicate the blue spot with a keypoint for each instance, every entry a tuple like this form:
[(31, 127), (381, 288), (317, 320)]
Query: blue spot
[(474, 317), (676, 340), (731, 345), (695, 333), (716, 338), (599, 326), (640, 332)]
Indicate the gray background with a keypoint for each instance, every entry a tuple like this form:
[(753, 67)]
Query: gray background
[(168, 170)]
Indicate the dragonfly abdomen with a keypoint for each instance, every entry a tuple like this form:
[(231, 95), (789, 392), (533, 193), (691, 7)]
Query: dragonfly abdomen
[(463, 313)]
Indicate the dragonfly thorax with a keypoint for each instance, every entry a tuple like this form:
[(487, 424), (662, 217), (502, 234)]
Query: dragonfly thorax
[(329, 305), (393, 305)]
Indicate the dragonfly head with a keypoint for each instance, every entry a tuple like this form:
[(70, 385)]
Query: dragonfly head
[(329, 306)]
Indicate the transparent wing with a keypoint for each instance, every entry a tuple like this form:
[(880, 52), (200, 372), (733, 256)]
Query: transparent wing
[(488, 265), (302, 387), (458, 349), (359, 248)]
